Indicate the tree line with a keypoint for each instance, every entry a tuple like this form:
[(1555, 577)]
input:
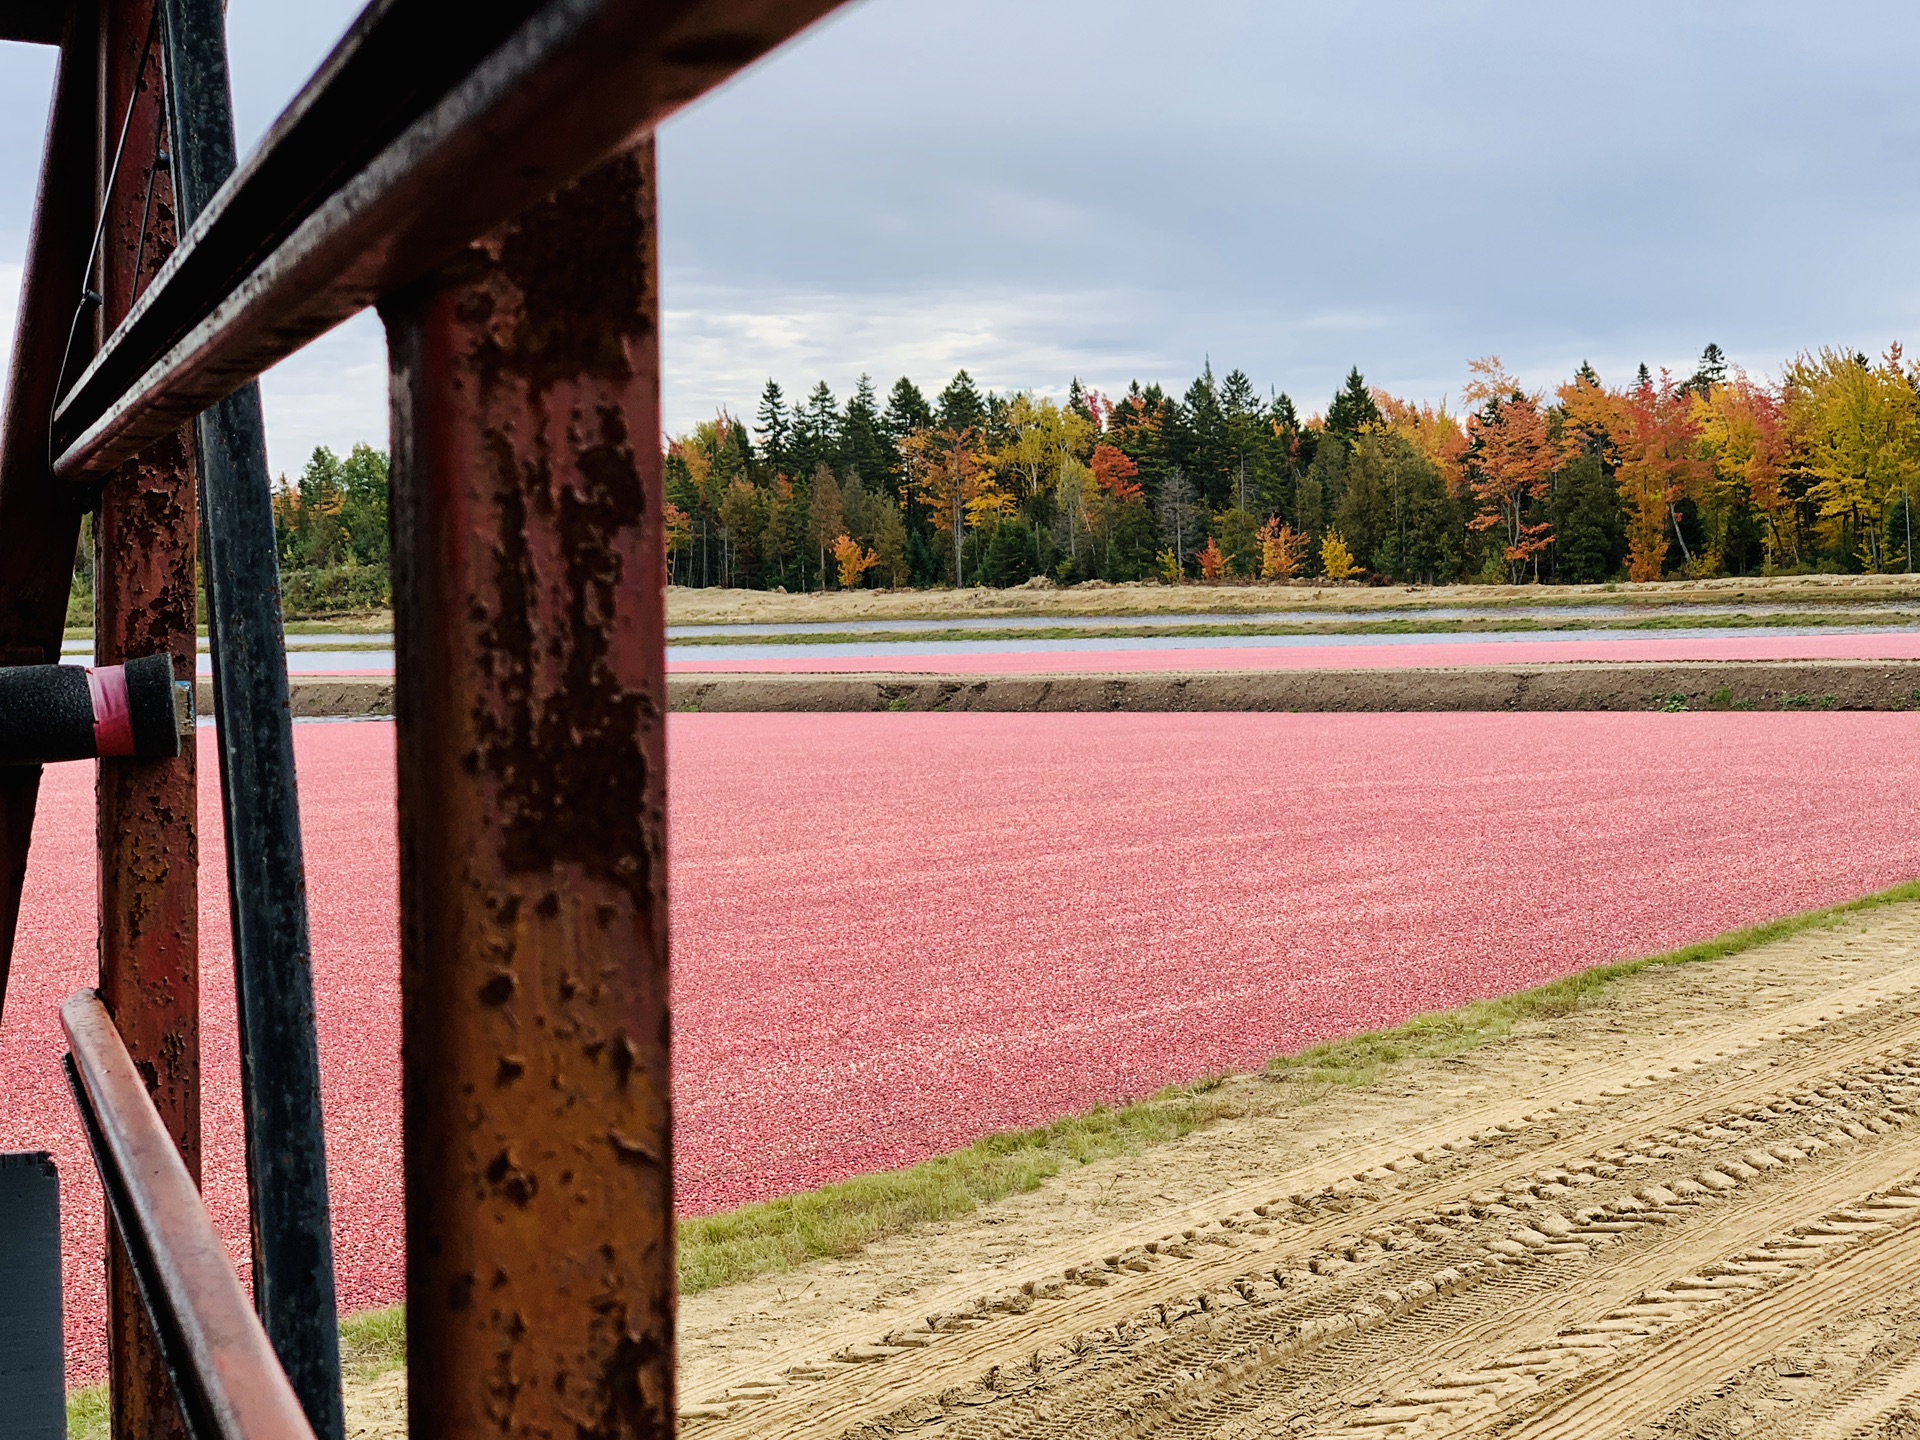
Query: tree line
[(1716, 473)]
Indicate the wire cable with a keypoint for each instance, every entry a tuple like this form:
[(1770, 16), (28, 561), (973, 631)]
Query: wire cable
[(90, 297)]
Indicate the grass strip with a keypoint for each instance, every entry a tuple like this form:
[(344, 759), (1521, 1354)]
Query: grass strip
[(840, 1219), (372, 1343)]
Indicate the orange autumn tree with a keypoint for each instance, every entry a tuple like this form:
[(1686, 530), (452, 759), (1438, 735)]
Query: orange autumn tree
[(1283, 550), (948, 472), (1213, 562), (1116, 474), (1659, 449), (1509, 465), (853, 562)]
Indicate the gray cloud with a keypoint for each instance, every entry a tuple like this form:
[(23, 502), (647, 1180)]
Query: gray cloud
[(1116, 188)]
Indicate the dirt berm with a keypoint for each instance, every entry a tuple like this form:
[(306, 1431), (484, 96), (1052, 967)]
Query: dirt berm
[(1799, 685)]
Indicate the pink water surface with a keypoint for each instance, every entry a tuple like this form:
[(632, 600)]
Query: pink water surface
[(893, 933), (1902, 645)]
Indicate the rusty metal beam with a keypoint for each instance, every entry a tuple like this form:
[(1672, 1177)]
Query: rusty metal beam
[(230, 1385), (411, 141), (144, 604), (40, 521), (38, 22), (530, 629)]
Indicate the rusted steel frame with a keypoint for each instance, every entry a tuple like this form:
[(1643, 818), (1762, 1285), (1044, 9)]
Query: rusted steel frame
[(144, 539), (293, 1280), (275, 261), (230, 1384), (529, 625), (38, 22), (40, 521)]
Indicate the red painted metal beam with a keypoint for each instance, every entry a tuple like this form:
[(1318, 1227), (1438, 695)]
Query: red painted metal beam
[(530, 627), (39, 520), (230, 1380), (144, 605)]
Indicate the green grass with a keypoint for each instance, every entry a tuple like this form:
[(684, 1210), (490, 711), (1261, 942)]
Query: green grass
[(841, 1219), (368, 622), (87, 1417), (372, 1344)]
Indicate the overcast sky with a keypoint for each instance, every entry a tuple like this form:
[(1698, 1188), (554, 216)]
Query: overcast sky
[(1038, 189)]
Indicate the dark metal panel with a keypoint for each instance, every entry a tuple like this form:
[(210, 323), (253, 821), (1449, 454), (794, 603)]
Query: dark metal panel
[(230, 1385), (39, 521), (143, 605), (33, 1352), (273, 262), (529, 616), (39, 22), (293, 1280)]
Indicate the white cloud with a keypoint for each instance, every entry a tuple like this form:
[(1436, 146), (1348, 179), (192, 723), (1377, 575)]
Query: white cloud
[(332, 393), (720, 346)]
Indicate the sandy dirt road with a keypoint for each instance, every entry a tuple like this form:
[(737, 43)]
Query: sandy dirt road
[(1692, 1210)]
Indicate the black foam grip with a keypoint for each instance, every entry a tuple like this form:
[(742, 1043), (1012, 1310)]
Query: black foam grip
[(156, 734), (46, 713)]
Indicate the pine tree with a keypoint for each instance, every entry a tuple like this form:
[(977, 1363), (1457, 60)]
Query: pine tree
[(1353, 408), (776, 430), (1711, 371), (907, 411), (961, 406), (863, 441), (816, 431), (1199, 444), (1589, 527), (1250, 443)]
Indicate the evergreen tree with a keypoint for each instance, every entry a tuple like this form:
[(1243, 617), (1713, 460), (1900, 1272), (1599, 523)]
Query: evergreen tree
[(1396, 513), (961, 405), (1589, 526), (1711, 371), (863, 440), (816, 431), (776, 430), (1321, 488), (907, 411), (1009, 559), (1292, 452), (1352, 409), (1251, 443), (1200, 443), (1077, 400)]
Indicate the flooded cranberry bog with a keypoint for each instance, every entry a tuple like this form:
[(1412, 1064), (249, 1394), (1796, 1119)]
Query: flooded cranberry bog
[(895, 933)]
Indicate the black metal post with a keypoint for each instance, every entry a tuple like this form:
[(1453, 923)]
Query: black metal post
[(293, 1282)]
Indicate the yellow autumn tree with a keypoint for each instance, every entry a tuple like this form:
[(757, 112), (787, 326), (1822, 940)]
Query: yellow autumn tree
[(853, 561), (1336, 560), (1283, 550), (1860, 425)]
